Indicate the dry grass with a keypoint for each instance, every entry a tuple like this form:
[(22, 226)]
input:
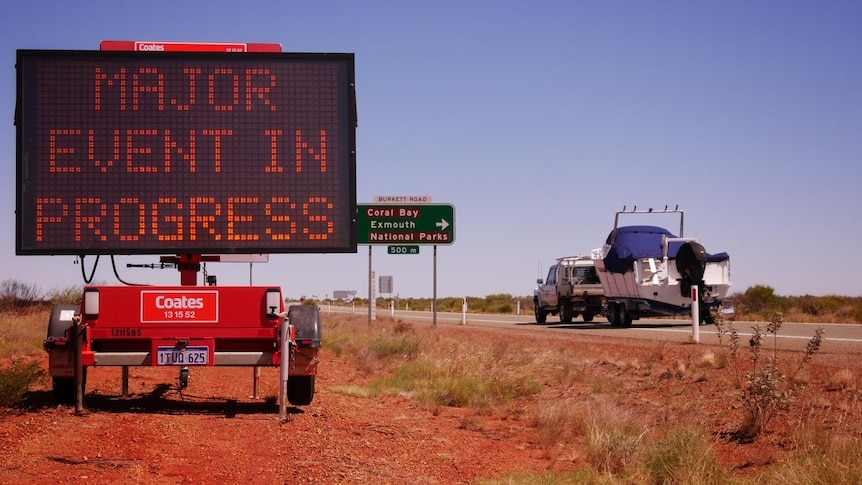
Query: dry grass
[(436, 371), (22, 333), (555, 424), (614, 437), (821, 460), (842, 380)]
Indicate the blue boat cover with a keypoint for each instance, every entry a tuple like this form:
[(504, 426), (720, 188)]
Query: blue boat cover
[(637, 242)]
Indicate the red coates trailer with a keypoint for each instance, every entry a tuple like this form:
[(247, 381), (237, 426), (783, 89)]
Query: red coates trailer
[(191, 149), (183, 326)]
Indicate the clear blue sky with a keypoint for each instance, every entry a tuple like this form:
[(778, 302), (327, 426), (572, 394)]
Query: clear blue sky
[(538, 121)]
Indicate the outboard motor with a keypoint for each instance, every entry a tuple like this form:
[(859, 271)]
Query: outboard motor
[(691, 264)]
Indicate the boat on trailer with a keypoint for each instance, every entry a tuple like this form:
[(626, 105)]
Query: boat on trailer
[(647, 271)]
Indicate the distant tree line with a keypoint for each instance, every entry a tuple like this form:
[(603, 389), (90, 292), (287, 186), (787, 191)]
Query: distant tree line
[(758, 302), (16, 296)]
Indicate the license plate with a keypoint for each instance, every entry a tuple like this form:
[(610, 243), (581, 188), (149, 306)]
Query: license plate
[(183, 356)]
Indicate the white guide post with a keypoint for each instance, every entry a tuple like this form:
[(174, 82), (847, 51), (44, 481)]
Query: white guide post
[(695, 315), (464, 310)]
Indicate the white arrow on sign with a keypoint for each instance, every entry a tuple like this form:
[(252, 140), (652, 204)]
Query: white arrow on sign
[(442, 224)]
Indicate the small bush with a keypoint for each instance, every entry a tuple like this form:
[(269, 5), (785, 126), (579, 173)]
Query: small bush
[(15, 381), (766, 389)]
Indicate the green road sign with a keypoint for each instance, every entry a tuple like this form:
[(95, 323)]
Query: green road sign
[(408, 224), (402, 249)]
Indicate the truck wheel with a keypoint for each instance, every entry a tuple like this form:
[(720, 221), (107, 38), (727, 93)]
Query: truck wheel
[(300, 390), (566, 312), (588, 317), (541, 315)]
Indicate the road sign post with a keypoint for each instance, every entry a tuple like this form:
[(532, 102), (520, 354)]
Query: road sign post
[(404, 227)]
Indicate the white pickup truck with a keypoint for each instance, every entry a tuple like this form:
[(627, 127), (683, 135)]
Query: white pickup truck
[(572, 288)]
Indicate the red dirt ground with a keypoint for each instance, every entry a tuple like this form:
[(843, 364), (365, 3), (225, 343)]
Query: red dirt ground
[(216, 432)]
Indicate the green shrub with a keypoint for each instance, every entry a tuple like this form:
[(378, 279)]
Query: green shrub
[(766, 388), (15, 381)]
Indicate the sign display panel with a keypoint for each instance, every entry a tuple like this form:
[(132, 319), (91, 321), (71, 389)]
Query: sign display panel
[(178, 152), (407, 226)]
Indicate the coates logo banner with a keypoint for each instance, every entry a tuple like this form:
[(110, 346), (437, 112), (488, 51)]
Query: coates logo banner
[(189, 47), (179, 306), (149, 47), (157, 46)]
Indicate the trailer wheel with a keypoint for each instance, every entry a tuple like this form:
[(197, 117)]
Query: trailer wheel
[(541, 315), (64, 388), (706, 317), (300, 390), (588, 317), (623, 318), (613, 314)]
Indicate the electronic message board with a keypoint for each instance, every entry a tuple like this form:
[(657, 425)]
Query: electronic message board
[(185, 153)]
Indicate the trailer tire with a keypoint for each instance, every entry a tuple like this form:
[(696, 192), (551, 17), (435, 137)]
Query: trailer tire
[(623, 317), (706, 317), (588, 317), (613, 314), (300, 390)]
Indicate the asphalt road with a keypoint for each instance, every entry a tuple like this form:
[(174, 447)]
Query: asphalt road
[(838, 337)]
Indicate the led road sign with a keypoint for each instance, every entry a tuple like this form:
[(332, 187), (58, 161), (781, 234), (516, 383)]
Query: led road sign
[(179, 152)]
